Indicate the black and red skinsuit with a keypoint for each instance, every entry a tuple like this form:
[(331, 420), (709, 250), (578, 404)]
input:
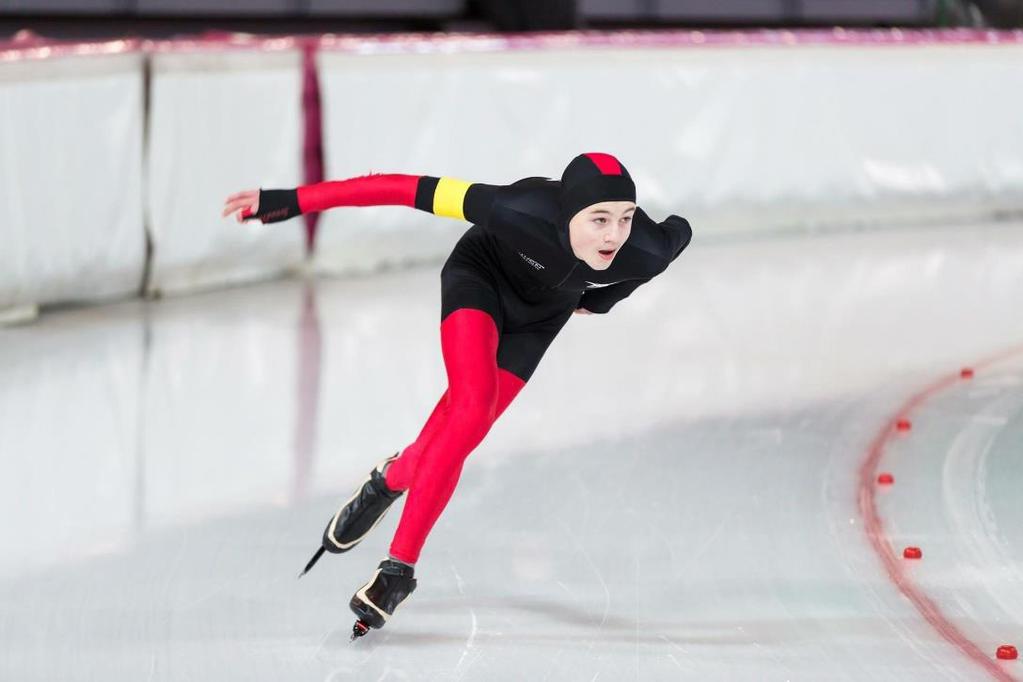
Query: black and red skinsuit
[(510, 284)]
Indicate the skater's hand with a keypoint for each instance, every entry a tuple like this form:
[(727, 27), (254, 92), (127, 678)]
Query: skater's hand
[(582, 311), (246, 204)]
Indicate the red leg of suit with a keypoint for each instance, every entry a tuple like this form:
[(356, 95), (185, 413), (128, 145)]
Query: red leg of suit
[(478, 392), (402, 470)]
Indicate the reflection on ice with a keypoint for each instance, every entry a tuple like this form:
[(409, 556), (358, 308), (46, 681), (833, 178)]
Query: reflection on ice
[(687, 510)]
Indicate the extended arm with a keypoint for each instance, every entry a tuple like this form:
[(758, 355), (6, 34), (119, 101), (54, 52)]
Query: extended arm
[(441, 196)]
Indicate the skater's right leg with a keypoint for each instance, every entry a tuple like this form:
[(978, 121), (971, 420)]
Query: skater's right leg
[(377, 600)]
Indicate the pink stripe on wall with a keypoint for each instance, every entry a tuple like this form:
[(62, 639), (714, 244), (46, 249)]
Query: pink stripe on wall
[(487, 42), (27, 46), (30, 46)]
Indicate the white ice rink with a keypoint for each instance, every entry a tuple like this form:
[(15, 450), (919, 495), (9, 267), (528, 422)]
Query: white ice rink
[(685, 490)]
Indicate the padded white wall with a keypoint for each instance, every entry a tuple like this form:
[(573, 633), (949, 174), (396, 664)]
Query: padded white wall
[(221, 120), (772, 134), (737, 138), (70, 178)]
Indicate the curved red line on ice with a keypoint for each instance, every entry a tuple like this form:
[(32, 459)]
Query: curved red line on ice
[(882, 547)]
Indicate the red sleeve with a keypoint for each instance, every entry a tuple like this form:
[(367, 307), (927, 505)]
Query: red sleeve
[(368, 190)]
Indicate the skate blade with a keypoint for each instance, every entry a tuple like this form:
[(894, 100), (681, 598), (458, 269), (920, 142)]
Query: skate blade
[(312, 562), (359, 630)]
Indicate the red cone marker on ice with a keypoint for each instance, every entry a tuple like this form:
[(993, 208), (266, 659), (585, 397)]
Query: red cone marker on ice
[(885, 479), (903, 425), (966, 373), (1007, 652), (912, 553)]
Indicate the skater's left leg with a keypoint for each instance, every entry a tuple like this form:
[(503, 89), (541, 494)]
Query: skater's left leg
[(469, 342), (402, 471), (440, 464), (436, 471), (466, 291)]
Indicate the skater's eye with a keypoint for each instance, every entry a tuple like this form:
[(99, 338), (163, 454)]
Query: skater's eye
[(600, 220)]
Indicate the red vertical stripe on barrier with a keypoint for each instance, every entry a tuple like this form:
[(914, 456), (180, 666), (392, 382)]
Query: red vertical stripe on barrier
[(310, 342), (312, 139)]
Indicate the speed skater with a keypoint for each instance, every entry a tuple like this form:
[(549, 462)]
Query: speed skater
[(538, 251)]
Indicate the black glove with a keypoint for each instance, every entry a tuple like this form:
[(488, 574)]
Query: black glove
[(276, 205)]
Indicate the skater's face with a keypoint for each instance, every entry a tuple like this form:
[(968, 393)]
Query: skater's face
[(597, 232)]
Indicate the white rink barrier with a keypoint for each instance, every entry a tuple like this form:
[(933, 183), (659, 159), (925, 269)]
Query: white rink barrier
[(70, 175), (741, 132), (223, 117)]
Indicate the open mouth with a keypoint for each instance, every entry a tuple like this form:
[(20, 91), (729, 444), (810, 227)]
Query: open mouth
[(607, 254)]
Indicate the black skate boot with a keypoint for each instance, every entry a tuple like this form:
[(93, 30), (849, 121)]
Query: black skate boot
[(358, 515), (377, 600)]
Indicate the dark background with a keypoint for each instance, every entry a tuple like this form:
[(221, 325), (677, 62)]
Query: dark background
[(83, 19)]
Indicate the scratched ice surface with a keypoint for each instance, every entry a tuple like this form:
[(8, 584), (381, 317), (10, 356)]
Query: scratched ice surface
[(673, 497)]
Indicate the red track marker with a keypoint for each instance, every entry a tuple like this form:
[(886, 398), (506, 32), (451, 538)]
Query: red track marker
[(903, 425), (885, 479), (1007, 652), (897, 571), (966, 373), (912, 553)]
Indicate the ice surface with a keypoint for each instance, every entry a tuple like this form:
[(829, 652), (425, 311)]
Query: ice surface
[(673, 497)]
